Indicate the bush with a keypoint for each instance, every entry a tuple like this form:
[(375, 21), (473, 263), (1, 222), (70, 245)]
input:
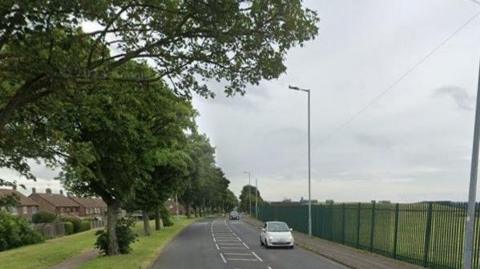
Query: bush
[(85, 225), (75, 221), (15, 232), (43, 217), (68, 227), (125, 236), (167, 221)]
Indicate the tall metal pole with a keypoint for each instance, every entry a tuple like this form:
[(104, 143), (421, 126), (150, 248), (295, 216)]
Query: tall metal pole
[(309, 174), (256, 198), (470, 221), (309, 160), (249, 194)]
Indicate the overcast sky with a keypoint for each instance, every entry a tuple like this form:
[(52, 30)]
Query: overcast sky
[(411, 144)]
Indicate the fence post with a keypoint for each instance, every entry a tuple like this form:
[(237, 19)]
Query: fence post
[(395, 232), (372, 227), (358, 224), (428, 230), (331, 221), (343, 223)]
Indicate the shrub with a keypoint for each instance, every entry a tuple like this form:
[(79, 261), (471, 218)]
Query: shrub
[(125, 236), (43, 217), (167, 221), (75, 221), (85, 225), (68, 227), (15, 232)]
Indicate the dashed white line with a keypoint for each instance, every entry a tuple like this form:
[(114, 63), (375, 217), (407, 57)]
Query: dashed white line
[(245, 245), (216, 245)]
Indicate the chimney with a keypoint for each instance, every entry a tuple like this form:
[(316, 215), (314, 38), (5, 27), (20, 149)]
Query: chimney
[(48, 191), (34, 191), (61, 192)]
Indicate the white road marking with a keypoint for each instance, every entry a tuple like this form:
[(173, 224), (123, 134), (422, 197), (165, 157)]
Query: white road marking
[(245, 260), (240, 254), (256, 256), (269, 267), (223, 258), (245, 245), (217, 247)]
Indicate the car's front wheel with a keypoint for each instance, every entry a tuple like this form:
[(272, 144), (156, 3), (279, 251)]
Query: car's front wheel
[(266, 244)]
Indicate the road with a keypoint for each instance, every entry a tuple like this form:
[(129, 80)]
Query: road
[(223, 244)]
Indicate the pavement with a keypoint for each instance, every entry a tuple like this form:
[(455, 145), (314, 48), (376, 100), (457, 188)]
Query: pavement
[(218, 243), (348, 256)]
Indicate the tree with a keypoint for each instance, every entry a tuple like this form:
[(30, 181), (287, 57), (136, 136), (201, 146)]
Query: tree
[(248, 192), (231, 201), (114, 139), (46, 56)]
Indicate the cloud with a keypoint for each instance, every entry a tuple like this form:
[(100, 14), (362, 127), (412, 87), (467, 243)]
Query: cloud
[(460, 96), (376, 141)]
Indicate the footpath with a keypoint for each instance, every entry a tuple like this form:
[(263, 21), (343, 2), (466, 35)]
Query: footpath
[(347, 256)]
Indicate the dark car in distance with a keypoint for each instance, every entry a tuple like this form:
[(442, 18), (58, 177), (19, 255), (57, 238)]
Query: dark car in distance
[(234, 215)]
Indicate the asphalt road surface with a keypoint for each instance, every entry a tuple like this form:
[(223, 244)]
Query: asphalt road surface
[(219, 244)]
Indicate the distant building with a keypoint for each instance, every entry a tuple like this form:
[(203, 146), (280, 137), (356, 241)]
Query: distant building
[(56, 203), (90, 207), (172, 207), (25, 206)]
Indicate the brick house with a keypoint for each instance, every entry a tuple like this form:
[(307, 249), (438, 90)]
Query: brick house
[(56, 203), (90, 207), (171, 206), (25, 207)]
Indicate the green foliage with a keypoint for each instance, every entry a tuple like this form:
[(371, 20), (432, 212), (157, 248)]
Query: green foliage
[(85, 225), (166, 218), (68, 227), (43, 217), (16, 232), (248, 192), (76, 222), (125, 236)]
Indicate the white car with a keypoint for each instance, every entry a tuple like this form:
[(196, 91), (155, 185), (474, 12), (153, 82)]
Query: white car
[(276, 234)]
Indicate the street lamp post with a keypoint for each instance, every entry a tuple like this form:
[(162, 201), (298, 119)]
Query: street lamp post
[(256, 198), (470, 221), (249, 193), (309, 158)]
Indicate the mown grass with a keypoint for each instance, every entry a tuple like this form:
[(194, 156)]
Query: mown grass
[(49, 253), (55, 251), (144, 251)]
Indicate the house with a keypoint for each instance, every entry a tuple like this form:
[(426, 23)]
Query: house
[(56, 203), (173, 206), (90, 207), (25, 207)]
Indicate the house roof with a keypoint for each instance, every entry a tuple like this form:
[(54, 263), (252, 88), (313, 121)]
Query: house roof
[(22, 199), (56, 200), (89, 202)]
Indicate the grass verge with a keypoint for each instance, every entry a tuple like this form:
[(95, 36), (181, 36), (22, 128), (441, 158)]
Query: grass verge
[(45, 255), (144, 250)]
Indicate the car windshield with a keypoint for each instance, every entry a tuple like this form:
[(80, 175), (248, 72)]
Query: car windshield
[(233, 213), (277, 227)]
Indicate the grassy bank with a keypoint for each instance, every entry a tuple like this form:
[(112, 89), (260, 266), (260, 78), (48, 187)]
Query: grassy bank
[(144, 250), (45, 255)]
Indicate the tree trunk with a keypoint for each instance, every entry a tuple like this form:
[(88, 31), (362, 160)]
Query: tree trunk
[(157, 219), (146, 223), (195, 211), (112, 215)]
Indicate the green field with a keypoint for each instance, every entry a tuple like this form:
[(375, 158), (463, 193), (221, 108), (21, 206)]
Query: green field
[(421, 233)]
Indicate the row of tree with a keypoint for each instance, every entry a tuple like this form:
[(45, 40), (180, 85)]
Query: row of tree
[(77, 92)]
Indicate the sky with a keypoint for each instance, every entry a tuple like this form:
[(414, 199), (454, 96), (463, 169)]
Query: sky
[(393, 86)]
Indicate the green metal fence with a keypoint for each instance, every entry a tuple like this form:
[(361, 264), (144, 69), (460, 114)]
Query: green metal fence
[(427, 234)]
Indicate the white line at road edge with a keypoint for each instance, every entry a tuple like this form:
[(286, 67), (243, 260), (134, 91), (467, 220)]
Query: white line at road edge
[(223, 258)]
